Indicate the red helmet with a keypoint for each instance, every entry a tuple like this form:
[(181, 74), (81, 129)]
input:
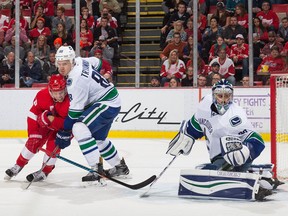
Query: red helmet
[(57, 83)]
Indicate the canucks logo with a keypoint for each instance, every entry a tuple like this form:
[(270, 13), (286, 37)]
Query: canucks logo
[(69, 82), (235, 121)]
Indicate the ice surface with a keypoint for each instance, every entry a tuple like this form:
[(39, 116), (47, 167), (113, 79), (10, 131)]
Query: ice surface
[(63, 193)]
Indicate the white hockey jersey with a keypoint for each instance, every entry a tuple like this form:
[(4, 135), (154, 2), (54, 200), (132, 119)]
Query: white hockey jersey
[(86, 86), (233, 122)]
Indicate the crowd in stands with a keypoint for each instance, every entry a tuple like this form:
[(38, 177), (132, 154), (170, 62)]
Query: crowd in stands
[(223, 48), (45, 27)]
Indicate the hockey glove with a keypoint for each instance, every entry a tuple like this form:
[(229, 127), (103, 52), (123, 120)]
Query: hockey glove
[(181, 142), (43, 119), (233, 151), (63, 139)]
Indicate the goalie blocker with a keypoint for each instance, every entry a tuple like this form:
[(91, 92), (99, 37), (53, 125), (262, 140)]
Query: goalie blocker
[(216, 184)]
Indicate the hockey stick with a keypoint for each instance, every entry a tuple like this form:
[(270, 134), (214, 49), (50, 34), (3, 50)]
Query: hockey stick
[(145, 194), (53, 153), (133, 187)]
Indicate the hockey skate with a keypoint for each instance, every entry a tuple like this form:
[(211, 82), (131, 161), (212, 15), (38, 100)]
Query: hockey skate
[(119, 170), (262, 194), (13, 171), (36, 176), (93, 176)]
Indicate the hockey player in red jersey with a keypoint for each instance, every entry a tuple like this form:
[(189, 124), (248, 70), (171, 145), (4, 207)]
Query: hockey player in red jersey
[(46, 117)]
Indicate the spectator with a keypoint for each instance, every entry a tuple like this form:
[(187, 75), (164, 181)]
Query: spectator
[(239, 54), (260, 37), (189, 31), (200, 64), (7, 69), (220, 44), (49, 67), (245, 81), (23, 22), (242, 15), (176, 44), (272, 42), (108, 32), (155, 82), (188, 49), (41, 49), (201, 81), (106, 69), (211, 71), (87, 16), (283, 31), (215, 78), (232, 4), (40, 29), (179, 14), (6, 4), (227, 68), (201, 20), (30, 71), (24, 40), (256, 6), (57, 43), (284, 52), (48, 7), (188, 77), (172, 67), (174, 82), (40, 14), (11, 48), (232, 30), (209, 37), (86, 36), (178, 27), (108, 52), (4, 21), (112, 21), (112, 5), (222, 15), (63, 34), (269, 18), (274, 61), (61, 18)]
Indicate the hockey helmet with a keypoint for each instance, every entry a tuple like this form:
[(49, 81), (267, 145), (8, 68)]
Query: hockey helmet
[(222, 95), (57, 83), (65, 53)]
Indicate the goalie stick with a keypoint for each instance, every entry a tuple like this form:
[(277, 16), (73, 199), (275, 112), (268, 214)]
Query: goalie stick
[(133, 187), (145, 194), (53, 153)]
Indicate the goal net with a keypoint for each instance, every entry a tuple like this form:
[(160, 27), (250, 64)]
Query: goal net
[(279, 124)]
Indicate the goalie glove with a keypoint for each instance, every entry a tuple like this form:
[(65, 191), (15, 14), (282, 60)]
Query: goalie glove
[(182, 142), (233, 151)]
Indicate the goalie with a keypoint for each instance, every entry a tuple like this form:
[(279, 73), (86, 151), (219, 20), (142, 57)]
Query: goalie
[(46, 117), (232, 145)]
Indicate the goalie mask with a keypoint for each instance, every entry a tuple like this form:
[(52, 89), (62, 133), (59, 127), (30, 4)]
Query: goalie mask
[(222, 95), (57, 87)]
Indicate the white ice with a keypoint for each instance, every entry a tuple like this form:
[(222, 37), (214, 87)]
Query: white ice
[(63, 193)]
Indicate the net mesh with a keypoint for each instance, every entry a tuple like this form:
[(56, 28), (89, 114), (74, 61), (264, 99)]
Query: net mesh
[(282, 125)]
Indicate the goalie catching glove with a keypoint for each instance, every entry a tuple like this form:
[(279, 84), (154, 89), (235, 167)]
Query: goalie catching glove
[(233, 151), (182, 142)]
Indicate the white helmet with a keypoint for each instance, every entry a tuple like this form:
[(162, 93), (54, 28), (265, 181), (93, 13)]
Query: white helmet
[(65, 53)]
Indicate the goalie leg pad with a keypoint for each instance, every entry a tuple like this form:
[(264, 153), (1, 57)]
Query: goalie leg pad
[(211, 184)]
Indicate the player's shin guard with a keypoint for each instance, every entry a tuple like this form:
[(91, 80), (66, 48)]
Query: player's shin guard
[(213, 184)]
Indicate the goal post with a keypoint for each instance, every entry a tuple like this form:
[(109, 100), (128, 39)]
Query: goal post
[(279, 124)]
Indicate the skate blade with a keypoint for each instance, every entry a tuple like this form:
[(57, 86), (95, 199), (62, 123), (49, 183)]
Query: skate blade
[(129, 176), (100, 183), (7, 178)]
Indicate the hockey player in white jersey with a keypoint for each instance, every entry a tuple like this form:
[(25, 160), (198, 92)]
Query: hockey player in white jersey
[(231, 141), (94, 103)]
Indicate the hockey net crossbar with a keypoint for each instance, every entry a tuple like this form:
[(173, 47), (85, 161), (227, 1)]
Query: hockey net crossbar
[(279, 124)]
